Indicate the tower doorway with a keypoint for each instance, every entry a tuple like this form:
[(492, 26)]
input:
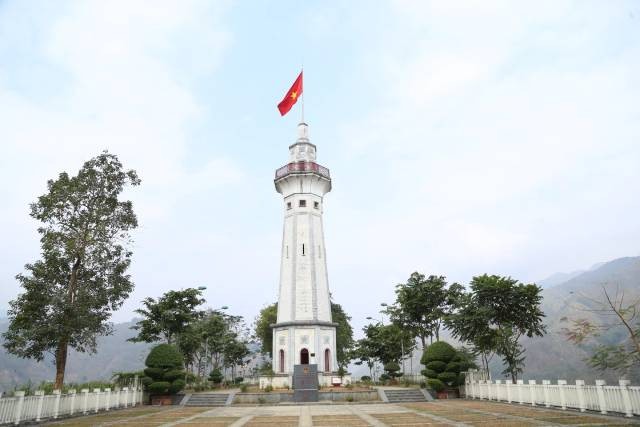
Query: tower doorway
[(304, 356)]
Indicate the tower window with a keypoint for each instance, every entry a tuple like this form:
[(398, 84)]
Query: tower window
[(303, 249), (288, 205), (316, 205), (287, 251), (302, 203)]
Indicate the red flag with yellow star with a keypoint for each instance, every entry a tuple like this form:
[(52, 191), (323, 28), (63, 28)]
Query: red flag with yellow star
[(291, 97)]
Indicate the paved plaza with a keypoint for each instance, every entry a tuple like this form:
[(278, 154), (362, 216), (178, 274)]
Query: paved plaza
[(440, 413)]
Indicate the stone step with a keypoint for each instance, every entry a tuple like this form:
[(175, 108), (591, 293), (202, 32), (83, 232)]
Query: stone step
[(207, 399), (409, 395)]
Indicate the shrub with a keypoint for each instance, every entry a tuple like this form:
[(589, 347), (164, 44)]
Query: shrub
[(268, 389), (385, 377), (448, 377), (437, 366), (365, 378), (216, 376), (164, 370), (154, 372), (261, 400), (423, 384), (429, 373), (244, 388), (349, 399), (392, 369), (159, 387), (176, 386), (461, 378), (164, 356), (435, 384), (453, 367), (439, 350), (174, 374), (238, 380)]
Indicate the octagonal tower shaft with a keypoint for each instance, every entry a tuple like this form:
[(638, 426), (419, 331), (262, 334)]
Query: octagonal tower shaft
[(304, 324)]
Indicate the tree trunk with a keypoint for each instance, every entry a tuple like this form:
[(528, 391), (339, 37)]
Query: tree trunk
[(61, 362)]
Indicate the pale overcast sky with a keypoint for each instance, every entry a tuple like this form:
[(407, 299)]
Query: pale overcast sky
[(462, 137)]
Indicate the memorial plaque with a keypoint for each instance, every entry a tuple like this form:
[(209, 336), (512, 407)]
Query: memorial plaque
[(305, 383)]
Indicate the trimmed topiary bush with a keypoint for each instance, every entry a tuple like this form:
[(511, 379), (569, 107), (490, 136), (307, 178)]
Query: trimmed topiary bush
[(216, 376), (435, 384), (453, 367), (440, 351), (393, 369), (159, 387), (437, 366), (365, 378), (429, 373), (164, 372), (448, 377)]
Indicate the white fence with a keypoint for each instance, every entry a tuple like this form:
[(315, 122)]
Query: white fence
[(18, 408), (621, 398)]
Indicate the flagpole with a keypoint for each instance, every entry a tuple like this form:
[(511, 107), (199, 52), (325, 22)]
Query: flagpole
[(302, 72)]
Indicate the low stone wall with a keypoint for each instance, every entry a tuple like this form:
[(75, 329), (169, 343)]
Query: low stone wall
[(323, 396)]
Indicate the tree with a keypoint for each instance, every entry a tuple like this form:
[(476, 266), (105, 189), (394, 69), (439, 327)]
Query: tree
[(422, 304), (495, 315), (169, 316), (344, 335), (81, 278), (262, 327), (609, 311)]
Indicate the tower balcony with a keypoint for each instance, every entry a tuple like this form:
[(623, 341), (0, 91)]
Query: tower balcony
[(302, 167)]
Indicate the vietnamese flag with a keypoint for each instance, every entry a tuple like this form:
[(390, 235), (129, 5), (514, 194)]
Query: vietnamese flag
[(291, 97)]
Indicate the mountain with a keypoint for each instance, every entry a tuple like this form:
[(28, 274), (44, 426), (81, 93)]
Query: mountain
[(552, 356), (114, 353)]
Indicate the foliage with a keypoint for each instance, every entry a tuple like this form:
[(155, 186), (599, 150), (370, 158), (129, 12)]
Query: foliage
[(216, 376), (268, 389), (393, 369), (244, 388), (365, 378), (69, 294), (165, 318), (262, 327), (435, 384), (611, 312), (437, 365), (422, 304), (495, 315), (449, 378), (344, 335), (438, 351), (164, 370)]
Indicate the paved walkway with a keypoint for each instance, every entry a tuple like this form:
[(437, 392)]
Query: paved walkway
[(440, 413)]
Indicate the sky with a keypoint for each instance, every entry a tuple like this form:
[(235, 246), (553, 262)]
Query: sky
[(463, 137)]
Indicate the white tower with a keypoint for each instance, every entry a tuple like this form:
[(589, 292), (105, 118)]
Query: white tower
[(304, 332)]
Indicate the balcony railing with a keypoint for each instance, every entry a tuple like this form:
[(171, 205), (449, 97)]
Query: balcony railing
[(302, 167)]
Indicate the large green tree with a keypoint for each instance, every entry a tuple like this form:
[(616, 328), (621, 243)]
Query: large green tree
[(170, 315), (262, 327), (81, 278), (422, 304), (496, 314)]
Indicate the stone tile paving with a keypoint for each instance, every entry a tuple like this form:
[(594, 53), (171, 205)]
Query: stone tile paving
[(440, 413)]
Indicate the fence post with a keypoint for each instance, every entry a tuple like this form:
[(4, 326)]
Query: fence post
[(85, 400), (96, 391), (532, 392), (626, 397), (480, 389), (545, 390), (561, 386), (508, 384), (601, 400), (520, 383), (40, 394), (56, 403), (126, 395), (72, 393), (108, 404), (580, 391), (17, 414), (498, 382)]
